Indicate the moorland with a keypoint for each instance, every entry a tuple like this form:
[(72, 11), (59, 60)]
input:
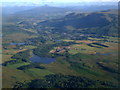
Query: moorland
[(84, 46)]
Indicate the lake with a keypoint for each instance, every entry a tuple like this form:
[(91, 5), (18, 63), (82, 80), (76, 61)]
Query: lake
[(17, 43), (45, 60), (110, 53)]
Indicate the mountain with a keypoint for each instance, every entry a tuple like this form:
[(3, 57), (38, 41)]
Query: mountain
[(65, 19), (15, 9), (13, 4), (59, 4), (99, 23), (42, 12), (91, 20), (78, 20), (50, 10)]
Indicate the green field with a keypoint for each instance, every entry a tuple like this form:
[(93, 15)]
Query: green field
[(84, 52), (88, 57)]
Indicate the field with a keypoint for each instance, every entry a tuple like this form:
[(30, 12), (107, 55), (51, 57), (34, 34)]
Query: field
[(78, 49), (90, 56)]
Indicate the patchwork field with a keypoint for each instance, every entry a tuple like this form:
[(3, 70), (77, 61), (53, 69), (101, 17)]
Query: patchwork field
[(94, 45), (95, 61)]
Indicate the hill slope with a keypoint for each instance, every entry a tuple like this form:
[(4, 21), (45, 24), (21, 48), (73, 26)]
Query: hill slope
[(104, 22)]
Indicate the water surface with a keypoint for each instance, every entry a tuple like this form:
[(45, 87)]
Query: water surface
[(17, 43), (110, 53), (45, 60)]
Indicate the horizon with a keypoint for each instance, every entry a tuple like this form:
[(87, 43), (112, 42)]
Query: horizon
[(58, 1)]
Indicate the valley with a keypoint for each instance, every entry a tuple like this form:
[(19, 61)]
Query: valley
[(79, 47)]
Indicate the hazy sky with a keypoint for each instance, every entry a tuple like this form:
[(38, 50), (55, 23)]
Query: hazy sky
[(56, 0)]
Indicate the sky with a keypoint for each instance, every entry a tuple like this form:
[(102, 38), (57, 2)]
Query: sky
[(35, 1)]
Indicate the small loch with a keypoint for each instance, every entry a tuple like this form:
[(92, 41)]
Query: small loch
[(44, 60)]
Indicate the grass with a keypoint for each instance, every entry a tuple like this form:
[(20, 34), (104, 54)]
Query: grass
[(31, 30), (108, 38), (6, 54), (37, 73), (5, 58), (84, 71), (18, 37), (84, 48), (91, 69), (17, 65), (28, 47), (59, 67), (12, 75)]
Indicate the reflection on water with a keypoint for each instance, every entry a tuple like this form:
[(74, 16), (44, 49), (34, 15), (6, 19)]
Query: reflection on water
[(37, 59)]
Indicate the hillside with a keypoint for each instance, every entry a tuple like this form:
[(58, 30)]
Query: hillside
[(43, 12), (97, 22)]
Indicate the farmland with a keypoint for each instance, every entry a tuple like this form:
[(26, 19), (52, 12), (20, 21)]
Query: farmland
[(89, 57), (82, 52)]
